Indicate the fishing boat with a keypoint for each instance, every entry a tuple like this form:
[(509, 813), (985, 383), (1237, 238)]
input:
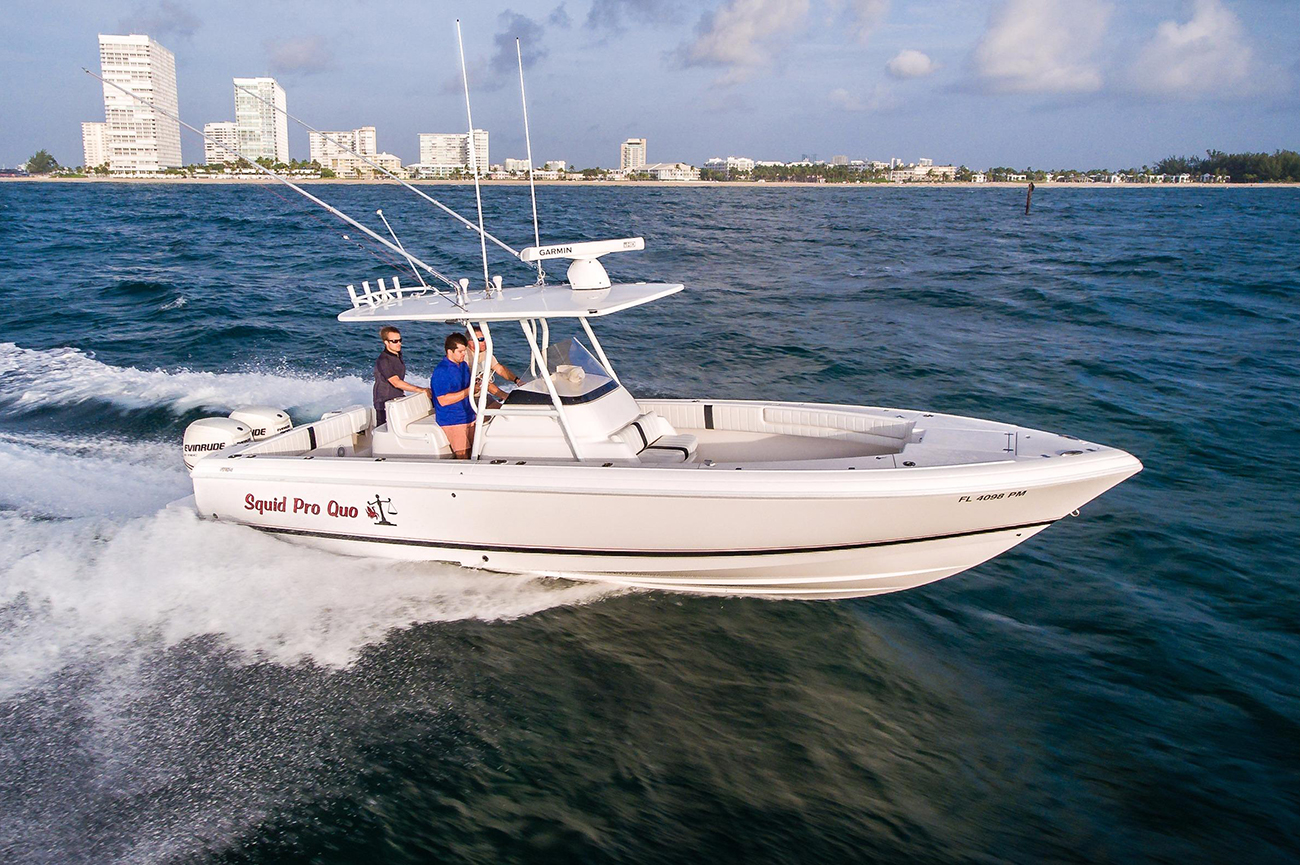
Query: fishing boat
[(573, 476)]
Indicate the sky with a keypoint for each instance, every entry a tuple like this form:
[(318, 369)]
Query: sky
[(1024, 83)]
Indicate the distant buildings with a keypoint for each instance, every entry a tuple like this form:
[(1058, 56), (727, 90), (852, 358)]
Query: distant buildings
[(135, 139), (924, 171), (342, 152), (220, 142), (94, 144), (732, 165), (513, 165), (263, 131), (631, 155), (671, 171), (442, 153)]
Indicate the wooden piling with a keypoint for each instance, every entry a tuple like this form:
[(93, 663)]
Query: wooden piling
[(1029, 194)]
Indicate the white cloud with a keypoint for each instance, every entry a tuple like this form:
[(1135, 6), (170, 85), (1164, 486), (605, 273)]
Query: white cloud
[(1043, 46), (870, 14), (910, 63), (742, 35), (881, 98), (1205, 54)]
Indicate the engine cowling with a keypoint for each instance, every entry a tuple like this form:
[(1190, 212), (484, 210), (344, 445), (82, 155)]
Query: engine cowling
[(212, 435), (264, 420)]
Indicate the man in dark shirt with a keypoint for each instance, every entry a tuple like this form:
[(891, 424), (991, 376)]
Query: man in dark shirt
[(390, 373)]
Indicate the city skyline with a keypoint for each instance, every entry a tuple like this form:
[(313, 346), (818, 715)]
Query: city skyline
[(1015, 82)]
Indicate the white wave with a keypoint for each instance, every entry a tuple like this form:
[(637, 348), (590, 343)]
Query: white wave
[(175, 304), (81, 476), (30, 379), (95, 590)]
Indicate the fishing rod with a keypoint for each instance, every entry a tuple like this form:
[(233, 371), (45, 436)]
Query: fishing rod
[(528, 143), (375, 165), (473, 163), (296, 188), (384, 219)]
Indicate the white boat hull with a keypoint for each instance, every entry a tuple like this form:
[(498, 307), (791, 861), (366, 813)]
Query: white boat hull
[(825, 530)]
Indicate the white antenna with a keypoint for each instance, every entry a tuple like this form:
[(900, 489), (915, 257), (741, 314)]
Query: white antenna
[(473, 162), (262, 168), (384, 219), (532, 187), (375, 165)]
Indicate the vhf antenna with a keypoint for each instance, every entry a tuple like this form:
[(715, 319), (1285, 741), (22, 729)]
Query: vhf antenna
[(532, 187), (375, 165), (473, 162), (262, 168)]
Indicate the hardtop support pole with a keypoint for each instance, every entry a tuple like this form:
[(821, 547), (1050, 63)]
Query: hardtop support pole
[(482, 357), (550, 388), (600, 352)]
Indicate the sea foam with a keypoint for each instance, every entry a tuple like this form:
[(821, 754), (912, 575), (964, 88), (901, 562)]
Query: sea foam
[(32, 380)]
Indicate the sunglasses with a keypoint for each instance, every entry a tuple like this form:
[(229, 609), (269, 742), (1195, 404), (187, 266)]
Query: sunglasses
[(399, 339)]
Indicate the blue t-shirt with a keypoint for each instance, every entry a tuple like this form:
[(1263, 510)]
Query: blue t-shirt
[(448, 378)]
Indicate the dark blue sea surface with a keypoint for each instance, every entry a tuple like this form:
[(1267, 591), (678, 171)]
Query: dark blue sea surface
[(1124, 687)]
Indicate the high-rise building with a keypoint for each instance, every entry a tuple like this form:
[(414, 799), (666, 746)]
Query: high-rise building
[(336, 154), (452, 148), (221, 143), (140, 140), (263, 131), (94, 144), (324, 150), (631, 154)]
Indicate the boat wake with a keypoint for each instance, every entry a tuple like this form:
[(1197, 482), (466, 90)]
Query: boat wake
[(95, 571), (35, 380)]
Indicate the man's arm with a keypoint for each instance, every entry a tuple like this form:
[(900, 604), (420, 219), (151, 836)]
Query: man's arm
[(504, 371), (402, 384), (449, 398)]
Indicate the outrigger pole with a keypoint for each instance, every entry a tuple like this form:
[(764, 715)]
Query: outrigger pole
[(375, 165), (473, 163), (295, 187), (532, 187)]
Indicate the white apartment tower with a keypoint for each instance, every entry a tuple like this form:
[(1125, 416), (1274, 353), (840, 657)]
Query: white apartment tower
[(631, 154), (337, 158), (140, 140), (263, 131), (94, 144), (452, 148), (325, 151), (226, 134)]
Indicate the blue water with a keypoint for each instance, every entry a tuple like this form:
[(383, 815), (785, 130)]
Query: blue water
[(1124, 687)]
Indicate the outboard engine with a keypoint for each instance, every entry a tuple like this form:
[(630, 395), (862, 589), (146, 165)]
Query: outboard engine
[(264, 420), (211, 435)]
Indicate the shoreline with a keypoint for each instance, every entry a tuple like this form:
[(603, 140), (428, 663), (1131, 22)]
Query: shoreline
[(652, 184)]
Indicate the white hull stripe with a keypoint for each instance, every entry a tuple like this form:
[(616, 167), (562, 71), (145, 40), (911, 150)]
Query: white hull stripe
[(556, 551)]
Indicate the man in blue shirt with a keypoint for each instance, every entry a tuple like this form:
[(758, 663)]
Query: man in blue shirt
[(450, 384)]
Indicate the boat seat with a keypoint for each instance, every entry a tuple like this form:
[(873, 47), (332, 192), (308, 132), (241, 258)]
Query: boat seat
[(669, 449), (332, 430), (653, 440), (411, 429)]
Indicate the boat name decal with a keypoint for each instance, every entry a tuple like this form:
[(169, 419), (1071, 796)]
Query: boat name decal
[(282, 505), (992, 497)]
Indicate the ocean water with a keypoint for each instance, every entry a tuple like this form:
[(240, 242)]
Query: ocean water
[(1125, 687)]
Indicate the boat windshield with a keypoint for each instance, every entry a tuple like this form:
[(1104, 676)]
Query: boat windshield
[(570, 352)]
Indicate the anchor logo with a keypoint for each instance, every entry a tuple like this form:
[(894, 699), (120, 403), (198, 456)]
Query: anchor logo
[(375, 510)]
